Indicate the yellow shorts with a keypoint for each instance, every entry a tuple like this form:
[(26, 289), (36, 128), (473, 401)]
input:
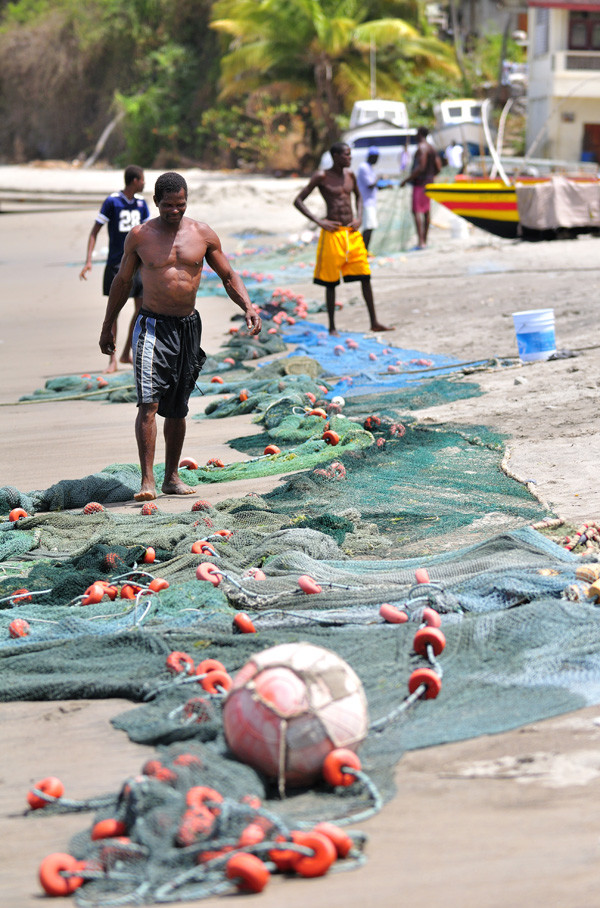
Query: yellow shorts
[(340, 253)]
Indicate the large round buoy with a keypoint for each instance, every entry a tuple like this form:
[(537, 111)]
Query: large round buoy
[(291, 705)]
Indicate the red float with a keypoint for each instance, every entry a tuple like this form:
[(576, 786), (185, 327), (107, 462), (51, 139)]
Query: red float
[(429, 636), (243, 624), (249, 872), (51, 874), (392, 615), (318, 863), (429, 678), (51, 786), (18, 628), (209, 571), (333, 767)]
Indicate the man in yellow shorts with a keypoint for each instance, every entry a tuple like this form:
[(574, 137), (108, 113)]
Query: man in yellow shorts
[(341, 251)]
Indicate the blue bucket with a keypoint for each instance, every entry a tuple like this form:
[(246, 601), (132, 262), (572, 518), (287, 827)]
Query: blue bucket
[(535, 334)]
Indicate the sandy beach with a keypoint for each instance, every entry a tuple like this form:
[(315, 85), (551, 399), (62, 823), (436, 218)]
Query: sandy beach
[(496, 821)]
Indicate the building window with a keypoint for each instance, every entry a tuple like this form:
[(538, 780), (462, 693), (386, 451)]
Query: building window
[(584, 31), (541, 33)]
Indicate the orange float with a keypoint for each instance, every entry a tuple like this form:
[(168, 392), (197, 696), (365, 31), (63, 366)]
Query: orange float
[(209, 571), (197, 797), (216, 682), (149, 555), (318, 863), (216, 380), (51, 786), (332, 438), (18, 628), (51, 873), (226, 534), (201, 505), (243, 624), (17, 514), (93, 507), (188, 463), (392, 615), (209, 665), (431, 617), (93, 594), (308, 584), (251, 835), (429, 678), (215, 462), (108, 829), (272, 449), (158, 584), (244, 395), (341, 840), (129, 590), (318, 411), (429, 636), (20, 596), (333, 767), (284, 858), (249, 872), (178, 662), (422, 575)]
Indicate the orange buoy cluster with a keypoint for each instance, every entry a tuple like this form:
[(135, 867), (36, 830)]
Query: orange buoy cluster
[(211, 674), (221, 839), (128, 589), (215, 462), (149, 507)]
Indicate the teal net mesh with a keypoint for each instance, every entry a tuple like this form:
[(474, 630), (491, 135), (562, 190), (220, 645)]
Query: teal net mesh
[(368, 498)]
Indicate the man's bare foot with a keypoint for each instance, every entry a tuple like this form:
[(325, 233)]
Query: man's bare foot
[(177, 488), (126, 359), (146, 493), (112, 365), (378, 327)]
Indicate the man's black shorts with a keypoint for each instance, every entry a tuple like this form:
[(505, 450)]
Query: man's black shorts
[(167, 358), (109, 275)]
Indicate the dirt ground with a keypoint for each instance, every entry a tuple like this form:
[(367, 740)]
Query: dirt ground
[(496, 821)]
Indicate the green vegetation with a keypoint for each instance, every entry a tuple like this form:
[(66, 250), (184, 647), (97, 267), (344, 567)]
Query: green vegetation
[(264, 84)]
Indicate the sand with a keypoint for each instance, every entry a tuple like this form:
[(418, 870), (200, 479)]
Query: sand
[(497, 821)]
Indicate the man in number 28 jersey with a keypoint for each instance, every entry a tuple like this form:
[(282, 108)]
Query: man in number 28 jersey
[(120, 212)]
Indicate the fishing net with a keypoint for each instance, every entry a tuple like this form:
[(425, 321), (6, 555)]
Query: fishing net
[(381, 529)]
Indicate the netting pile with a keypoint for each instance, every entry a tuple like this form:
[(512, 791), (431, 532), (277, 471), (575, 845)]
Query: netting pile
[(96, 604)]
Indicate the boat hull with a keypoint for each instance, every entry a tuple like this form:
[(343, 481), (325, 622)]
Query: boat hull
[(490, 205)]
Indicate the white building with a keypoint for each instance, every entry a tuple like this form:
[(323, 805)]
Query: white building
[(564, 80)]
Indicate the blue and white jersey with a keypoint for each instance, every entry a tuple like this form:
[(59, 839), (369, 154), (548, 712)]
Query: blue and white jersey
[(120, 215)]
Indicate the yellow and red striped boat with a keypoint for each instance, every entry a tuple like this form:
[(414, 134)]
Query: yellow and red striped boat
[(491, 204), (488, 204)]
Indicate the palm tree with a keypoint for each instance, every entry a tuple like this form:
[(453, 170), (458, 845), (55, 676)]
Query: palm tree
[(317, 49)]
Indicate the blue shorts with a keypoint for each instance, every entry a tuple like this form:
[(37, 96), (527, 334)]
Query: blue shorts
[(109, 276), (167, 358)]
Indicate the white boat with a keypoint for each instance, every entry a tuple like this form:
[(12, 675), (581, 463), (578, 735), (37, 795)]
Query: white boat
[(459, 120), (383, 124)]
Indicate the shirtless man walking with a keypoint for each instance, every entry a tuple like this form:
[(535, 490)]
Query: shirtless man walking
[(341, 249), (167, 356)]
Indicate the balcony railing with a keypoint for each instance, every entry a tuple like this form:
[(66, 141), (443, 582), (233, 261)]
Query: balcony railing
[(576, 61)]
